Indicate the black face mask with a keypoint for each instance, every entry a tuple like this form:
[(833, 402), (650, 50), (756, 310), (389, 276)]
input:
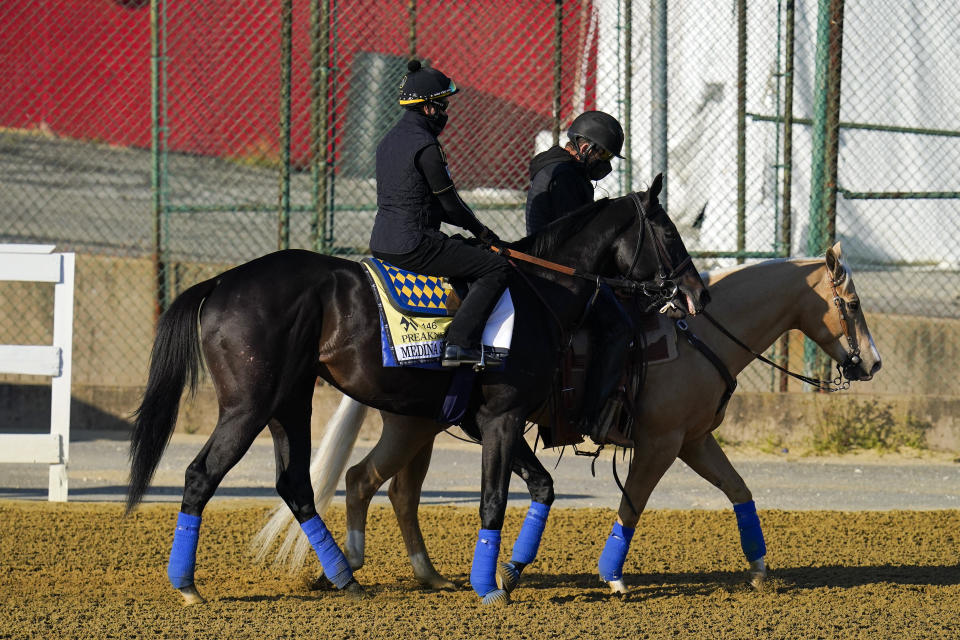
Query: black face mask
[(599, 169), (437, 122)]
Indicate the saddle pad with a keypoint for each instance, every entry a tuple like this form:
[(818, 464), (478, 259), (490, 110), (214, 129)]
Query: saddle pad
[(410, 292), (659, 336), (416, 338)]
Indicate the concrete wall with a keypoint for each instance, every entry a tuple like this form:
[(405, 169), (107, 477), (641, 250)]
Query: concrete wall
[(113, 335), (764, 419), (790, 418)]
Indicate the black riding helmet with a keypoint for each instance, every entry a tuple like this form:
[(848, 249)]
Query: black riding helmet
[(600, 128), (423, 84)]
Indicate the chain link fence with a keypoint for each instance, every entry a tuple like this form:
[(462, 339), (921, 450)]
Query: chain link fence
[(166, 140)]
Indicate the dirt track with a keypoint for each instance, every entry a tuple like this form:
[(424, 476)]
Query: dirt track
[(82, 571)]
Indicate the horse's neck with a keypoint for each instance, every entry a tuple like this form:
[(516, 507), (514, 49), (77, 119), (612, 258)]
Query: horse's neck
[(585, 256), (759, 304)]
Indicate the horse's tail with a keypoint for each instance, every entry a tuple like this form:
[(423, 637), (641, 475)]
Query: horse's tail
[(329, 463), (174, 362)]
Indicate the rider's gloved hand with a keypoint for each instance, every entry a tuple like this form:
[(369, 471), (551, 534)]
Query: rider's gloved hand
[(487, 236)]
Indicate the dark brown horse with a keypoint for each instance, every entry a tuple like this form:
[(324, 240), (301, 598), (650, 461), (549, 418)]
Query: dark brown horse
[(680, 405), (269, 327)]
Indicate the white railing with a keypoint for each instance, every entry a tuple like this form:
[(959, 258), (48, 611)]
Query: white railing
[(37, 263)]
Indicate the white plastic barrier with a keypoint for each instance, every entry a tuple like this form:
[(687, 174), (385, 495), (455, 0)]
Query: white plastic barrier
[(37, 263)]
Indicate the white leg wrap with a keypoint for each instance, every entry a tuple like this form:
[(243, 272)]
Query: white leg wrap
[(421, 564), (617, 586), (758, 572), (355, 548)]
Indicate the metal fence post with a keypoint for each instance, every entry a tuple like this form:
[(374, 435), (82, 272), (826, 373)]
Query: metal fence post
[(628, 95), (658, 93), (158, 137), (826, 119), (319, 119), (557, 66), (412, 28), (741, 128), (286, 62), (786, 220)]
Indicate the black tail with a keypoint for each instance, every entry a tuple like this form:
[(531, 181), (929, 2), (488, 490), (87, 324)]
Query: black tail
[(174, 361)]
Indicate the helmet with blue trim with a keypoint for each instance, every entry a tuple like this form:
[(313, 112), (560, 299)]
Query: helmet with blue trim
[(423, 84)]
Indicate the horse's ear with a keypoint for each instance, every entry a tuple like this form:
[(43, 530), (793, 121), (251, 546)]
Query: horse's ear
[(656, 187), (834, 260)]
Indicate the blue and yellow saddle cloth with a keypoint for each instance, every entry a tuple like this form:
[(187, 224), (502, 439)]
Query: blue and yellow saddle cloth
[(415, 311)]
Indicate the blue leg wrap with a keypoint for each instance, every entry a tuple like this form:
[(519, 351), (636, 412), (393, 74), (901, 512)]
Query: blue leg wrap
[(751, 536), (485, 562), (183, 555), (332, 560), (525, 548), (615, 552)]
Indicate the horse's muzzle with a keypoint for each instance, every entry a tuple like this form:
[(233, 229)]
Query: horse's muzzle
[(852, 368)]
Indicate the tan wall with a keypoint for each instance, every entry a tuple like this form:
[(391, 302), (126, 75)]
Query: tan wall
[(786, 419), (790, 418)]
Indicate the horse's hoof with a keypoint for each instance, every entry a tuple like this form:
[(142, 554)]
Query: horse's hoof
[(355, 591), (507, 576), (617, 587), (320, 583), (758, 573), (497, 597), (191, 595), (437, 582)]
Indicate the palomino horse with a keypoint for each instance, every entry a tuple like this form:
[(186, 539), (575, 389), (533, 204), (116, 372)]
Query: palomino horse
[(269, 327), (680, 405)]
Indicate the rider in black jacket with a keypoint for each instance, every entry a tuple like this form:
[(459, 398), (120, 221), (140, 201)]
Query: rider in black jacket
[(415, 194), (560, 181)]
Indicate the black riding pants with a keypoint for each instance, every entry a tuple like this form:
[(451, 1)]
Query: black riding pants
[(440, 255)]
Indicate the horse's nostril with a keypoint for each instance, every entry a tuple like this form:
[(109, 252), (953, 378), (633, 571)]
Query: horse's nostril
[(876, 367)]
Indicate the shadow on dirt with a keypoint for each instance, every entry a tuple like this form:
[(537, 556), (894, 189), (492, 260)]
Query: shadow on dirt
[(788, 580)]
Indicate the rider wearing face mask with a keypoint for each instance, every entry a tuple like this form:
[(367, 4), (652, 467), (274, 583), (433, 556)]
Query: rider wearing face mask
[(560, 177), (560, 181), (415, 193)]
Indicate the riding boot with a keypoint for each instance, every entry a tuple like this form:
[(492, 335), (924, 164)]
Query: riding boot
[(604, 370), (455, 355), (611, 333)]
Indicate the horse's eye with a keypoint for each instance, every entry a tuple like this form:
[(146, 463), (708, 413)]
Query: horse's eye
[(853, 305)]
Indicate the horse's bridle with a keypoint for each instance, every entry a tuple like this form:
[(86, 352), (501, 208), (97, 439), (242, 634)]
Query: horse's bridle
[(664, 286), (844, 369), (853, 352), (662, 289), (664, 280)]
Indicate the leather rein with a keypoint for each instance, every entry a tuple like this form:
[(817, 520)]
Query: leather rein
[(663, 287)]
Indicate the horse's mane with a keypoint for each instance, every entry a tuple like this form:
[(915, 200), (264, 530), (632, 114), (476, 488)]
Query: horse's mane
[(545, 241)]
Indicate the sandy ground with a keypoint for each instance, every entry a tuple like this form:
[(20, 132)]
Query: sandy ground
[(83, 571)]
